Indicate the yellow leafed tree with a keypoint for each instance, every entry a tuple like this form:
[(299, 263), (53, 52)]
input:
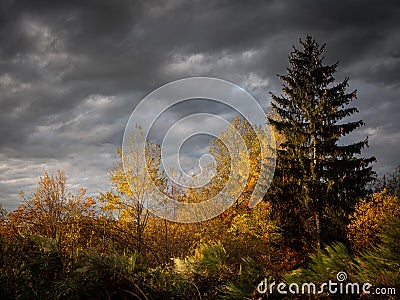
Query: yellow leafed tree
[(368, 219), (134, 178), (54, 212)]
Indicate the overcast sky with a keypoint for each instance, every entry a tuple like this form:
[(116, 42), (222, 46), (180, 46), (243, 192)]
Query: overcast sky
[(71, 72)]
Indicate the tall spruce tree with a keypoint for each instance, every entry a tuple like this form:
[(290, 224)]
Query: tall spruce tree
[(317, 179)]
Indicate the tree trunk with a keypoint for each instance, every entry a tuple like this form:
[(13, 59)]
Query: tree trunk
[(318, 229)]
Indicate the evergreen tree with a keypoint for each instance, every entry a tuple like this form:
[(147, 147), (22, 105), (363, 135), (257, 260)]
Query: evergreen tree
[(317, 179)]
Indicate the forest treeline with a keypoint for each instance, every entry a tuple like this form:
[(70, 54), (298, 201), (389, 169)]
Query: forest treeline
[(325, 212)]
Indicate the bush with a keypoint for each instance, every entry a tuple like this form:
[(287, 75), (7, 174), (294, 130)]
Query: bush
[(369, 217), (30, 266), (380, 266), (205, 271)]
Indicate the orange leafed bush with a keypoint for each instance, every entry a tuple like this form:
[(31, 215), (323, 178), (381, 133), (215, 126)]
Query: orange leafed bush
[(368, 218)]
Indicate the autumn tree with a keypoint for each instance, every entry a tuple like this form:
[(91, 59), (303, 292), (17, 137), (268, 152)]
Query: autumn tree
[(369, 217), (253, 234), (134, 178), (3, 214), (3, 221), (243, 231), (254, 163), (54, 212), (317, 178)]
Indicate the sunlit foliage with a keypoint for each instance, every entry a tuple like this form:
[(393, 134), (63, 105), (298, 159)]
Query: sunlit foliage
[(369, 216)]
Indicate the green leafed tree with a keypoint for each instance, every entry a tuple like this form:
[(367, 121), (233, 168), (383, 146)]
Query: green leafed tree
[(317, 178)]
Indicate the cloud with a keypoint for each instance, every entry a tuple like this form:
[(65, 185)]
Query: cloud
[(71, 72)]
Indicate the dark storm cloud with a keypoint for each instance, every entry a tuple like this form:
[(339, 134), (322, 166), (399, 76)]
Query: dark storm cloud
[(72, 71)]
